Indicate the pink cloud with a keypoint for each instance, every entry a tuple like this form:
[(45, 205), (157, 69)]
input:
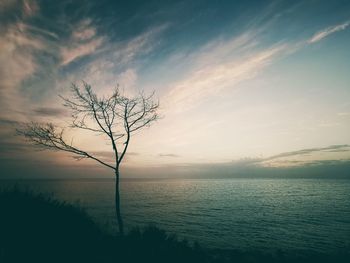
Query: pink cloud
[(70, 54)]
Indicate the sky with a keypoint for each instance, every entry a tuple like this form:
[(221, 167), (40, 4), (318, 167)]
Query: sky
[(245, 87)]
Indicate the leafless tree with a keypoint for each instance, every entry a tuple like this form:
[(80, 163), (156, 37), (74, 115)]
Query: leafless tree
[(117, 117)]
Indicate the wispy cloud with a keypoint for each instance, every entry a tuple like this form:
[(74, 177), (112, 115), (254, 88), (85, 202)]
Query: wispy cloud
[(127, 51), (83, 42), (218, 66), (171, 155), (84, 30), (115, 64), (332, 148), (328, 31), (75, 50), (27, 8), (18, 47), (305, 157), (30, 7), (49, 112)]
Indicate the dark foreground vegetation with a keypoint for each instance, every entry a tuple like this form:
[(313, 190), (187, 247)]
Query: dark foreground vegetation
[(36, 228)]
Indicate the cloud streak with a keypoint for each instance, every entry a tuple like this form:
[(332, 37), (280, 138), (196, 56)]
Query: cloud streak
[(75, 50), (84, 30), (18, 48), (83, 42), (171, 155), (115, 63), (218, 66), (332, 148), (49, 112), (328, 31)]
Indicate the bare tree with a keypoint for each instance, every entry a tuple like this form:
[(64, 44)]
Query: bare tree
[(117, 117)]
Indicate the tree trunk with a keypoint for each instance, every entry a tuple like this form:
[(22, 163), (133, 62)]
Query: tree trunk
[(117, 204)]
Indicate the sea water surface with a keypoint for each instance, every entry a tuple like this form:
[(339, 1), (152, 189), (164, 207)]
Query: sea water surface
[(260, 214)]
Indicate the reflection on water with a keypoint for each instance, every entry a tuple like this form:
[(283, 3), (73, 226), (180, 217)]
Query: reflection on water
[(287, 214)]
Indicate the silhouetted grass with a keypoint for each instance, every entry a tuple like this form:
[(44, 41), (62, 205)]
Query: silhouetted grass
[(37, 228)]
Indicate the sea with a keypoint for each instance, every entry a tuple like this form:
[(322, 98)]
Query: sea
[(245, 214)]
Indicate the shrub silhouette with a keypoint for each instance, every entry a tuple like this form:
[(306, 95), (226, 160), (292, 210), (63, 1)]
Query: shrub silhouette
[(36, 228), (155, 245)]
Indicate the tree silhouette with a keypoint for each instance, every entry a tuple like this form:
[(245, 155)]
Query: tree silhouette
[(117, 117)]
